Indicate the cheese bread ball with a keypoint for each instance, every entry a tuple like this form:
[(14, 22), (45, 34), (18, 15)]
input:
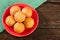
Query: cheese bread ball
[(19, 27), (14, 9), (10, 21), (19, 16), (29, 22), (27, 11)]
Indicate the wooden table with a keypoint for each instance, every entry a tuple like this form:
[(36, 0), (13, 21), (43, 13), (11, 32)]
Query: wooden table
[(49, 24)]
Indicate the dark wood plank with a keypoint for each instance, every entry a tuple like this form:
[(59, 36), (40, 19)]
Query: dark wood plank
[(56, 1), (49, 15), (39, 34)]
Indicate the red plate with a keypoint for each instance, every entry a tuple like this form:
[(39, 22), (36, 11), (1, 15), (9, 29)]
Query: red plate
[(26, 31)]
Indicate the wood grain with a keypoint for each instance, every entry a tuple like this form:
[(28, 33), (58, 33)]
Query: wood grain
[(49, 24), (39, 34), (49, 15), (56, 1)]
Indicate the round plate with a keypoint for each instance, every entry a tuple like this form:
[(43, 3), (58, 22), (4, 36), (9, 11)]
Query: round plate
[(26, 31)]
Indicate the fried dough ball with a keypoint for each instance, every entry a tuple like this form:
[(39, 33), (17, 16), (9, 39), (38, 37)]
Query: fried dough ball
[(19, 27), (10, 21), (14, 9), (29, 22), (27, 11), (19, 16)]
